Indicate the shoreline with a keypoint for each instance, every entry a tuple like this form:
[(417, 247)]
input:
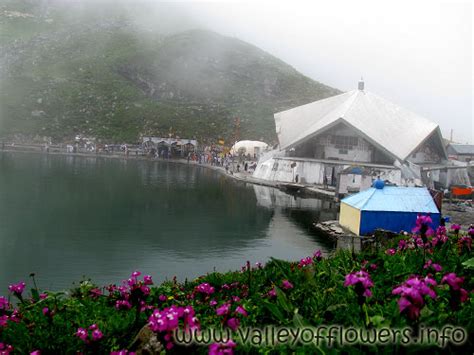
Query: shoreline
[(305, 190)]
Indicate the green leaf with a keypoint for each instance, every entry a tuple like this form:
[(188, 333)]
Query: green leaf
[(282, 300), (469, 264), (336, 306), (35, 294), (426, 312), (275, 311), (282, 266), (298, 320)]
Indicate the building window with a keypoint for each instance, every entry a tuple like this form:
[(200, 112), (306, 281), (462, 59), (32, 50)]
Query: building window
[(344, 142)]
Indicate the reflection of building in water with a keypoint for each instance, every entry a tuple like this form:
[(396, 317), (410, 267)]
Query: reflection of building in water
[(273, 198), (281, 231)]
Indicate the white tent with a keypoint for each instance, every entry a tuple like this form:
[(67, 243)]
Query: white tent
[(248, 147)]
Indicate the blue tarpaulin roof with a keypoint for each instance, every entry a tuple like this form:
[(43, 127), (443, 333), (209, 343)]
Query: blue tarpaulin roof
[(394, 199)]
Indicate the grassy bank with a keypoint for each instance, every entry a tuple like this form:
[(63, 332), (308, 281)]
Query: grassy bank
[(405, 285)]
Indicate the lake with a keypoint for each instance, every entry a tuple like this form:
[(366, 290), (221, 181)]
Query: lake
[(69, 217)]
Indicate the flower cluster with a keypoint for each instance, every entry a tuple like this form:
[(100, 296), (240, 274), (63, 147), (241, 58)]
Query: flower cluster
[(423, 227), (167, 320), (455, 228), (4, 304), (6, 313), (17, 289), (205, 288), (412, 294), (305, 262), (464, 242), (458, 294), (132, 292), (440, 236), (317, 255), (362, 282), (231, 318), (93, 333), (434, 266), (5, 349), (390, 251), (470, 231)]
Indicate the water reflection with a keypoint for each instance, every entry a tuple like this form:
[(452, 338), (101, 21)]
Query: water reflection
[(66, 216)]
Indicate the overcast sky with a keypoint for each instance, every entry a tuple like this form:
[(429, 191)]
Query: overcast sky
[(415, 53)]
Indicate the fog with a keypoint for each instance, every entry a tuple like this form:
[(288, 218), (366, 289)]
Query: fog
[(417, 54)]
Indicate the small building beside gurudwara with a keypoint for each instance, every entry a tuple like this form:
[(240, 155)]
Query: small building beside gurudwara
[(357, 128), (390, 208)]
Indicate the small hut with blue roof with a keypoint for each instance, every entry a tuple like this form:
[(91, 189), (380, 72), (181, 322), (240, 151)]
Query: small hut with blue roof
[(391, 208)]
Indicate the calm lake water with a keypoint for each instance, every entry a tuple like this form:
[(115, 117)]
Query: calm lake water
[(65, 217)]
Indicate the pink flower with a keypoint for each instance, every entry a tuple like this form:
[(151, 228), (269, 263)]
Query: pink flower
[(122, 352), (470, 231), (3, 321), (362, 282), (46, 311), (4, 304), (97, 335), (233, 323), (241, 310), (222, 348), (465, 240), (422, 227), (390, 251), (157, 322), (317, 255), (145, 290), (95, 292), (212, 303), (5, 349), (168, 319), (162, 298), (287, 284), (223, 310), (205, 288), (305, 262), (17, 288), (455, 227), (81, 333), (436, 267), (402, 244), (35, 352), (136, 274), (453, 281), (122, 304), (272, 293), (412, 294), (147, 280), (15, 316)]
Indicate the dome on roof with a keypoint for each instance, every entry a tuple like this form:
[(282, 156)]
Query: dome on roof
[(378, 184)]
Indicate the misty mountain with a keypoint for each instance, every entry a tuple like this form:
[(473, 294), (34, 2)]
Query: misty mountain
[(103, 75)]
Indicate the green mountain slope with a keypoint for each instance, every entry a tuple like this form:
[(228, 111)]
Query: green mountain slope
[(104, 76)]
